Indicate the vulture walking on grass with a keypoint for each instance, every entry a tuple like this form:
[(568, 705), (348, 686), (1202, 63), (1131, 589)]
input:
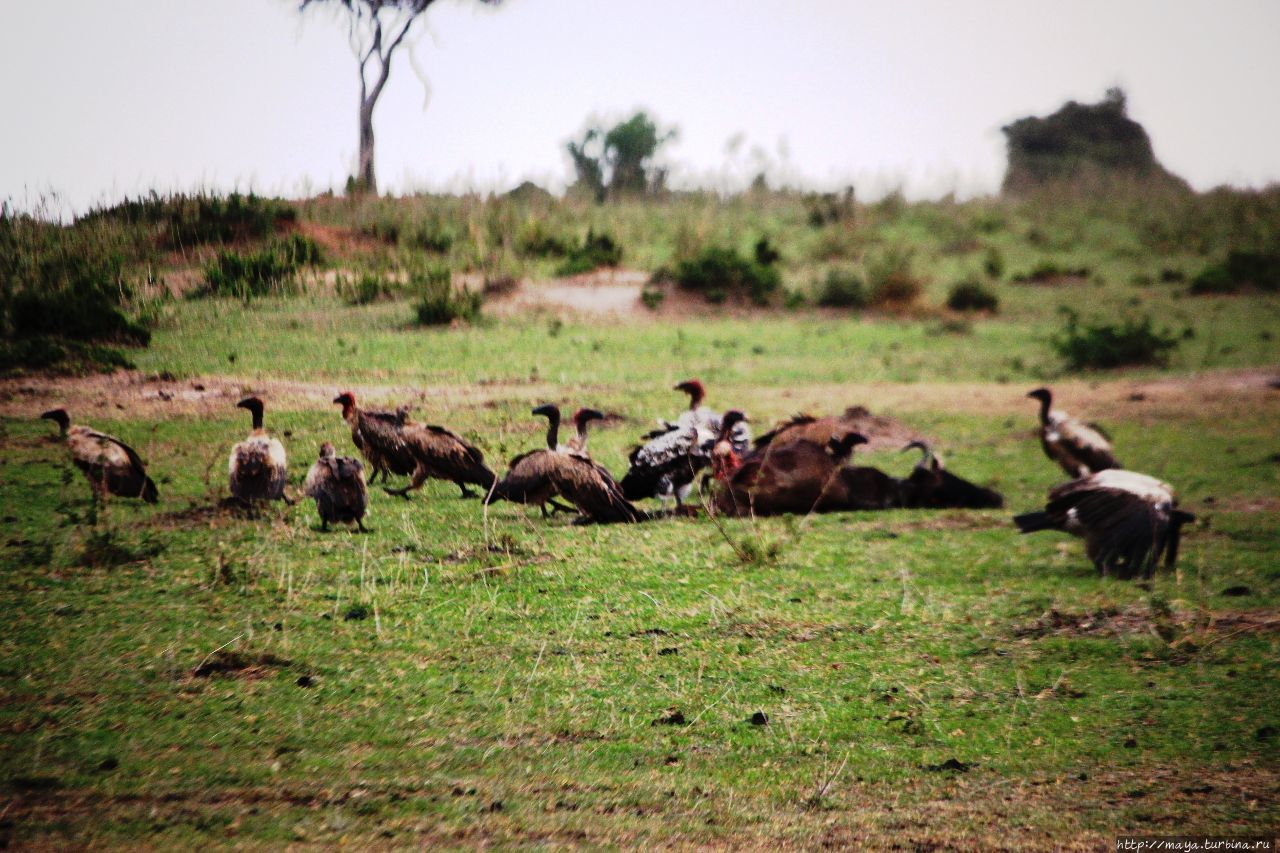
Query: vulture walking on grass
[(257, 467), (672, 455), (376, 434), (439, 454), (1079, 448), (1127, 520), (931, 486), (337, 485), (111, 466)]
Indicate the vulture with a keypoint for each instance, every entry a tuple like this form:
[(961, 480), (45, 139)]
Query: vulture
[(1079, 448), (111, 466), (257, 466), (673, 454), (800, 476), (568, 471), (528, 480), (1127, 520), (442, 455), (337, 485), (376, 434), (931, 486)]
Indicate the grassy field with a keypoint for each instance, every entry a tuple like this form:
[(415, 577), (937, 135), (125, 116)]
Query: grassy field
[(177, 675), (174, 676)]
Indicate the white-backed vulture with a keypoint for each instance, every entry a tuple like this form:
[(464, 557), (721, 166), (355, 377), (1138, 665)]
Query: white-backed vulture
[(111, 466), (1127, 520), (1079, 448), (337, 485), (672, 455), (257, 467)]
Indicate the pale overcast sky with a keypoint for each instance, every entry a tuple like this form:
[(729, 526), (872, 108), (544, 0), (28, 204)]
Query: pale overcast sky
[(105, 99)]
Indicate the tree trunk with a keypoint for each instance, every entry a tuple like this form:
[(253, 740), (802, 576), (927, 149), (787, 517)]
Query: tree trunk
[(364, 172)]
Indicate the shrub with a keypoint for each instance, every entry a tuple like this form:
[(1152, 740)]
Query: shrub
[(842, 288), (890, 280), (972, 295), (365, 290), (718, 272), (1107, 345), (1049, 272), (597, 250), (652, 298), (438, 302), (536, 241), (386, 230), (62, 298), (1260, 270), (191, 220), (271, 270), (766, 253), (993, 262), (431, 236)]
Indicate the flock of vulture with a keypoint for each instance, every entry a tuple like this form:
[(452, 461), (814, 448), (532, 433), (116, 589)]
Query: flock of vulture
[(1127, 520)]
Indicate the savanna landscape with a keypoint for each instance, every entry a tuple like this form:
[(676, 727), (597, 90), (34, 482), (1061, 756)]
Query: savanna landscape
[(188, 673)]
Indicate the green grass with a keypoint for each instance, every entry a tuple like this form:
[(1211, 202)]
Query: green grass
[(461, 678), (498, 682)]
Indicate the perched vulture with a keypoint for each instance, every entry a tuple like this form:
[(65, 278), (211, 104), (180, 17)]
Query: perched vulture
[(337, 485), (1127, 520), (931, 486), (672, 455), (1079, 448), (111, 466), (258, 468), (376, 434)]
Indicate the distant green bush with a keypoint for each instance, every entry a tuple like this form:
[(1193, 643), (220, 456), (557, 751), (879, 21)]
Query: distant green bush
[(652, 298), (1108, 345), (842, 288), (1046, 271), (596, 250), (537, 241), (386, 230), (718, 272), (366, 289), (431, 236), (972, 295), (890, 278), (438, 303), (1241, 270), (62, 298), (196, 219), (270, 270), (993, 262)]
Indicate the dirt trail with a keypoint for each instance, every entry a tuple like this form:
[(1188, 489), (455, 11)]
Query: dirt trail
[(134, 394)]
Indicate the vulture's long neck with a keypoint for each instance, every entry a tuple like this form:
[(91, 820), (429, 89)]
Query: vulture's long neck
[(257, 418), (1045, 403), (553, 431)]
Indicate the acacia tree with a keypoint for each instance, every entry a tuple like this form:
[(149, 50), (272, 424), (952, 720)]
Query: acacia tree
[(626, 150), (375, 29)]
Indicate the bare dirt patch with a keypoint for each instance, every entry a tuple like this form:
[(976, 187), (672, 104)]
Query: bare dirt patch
[(1139, 620)]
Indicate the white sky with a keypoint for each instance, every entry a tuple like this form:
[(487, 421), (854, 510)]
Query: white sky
[(103, 98)]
